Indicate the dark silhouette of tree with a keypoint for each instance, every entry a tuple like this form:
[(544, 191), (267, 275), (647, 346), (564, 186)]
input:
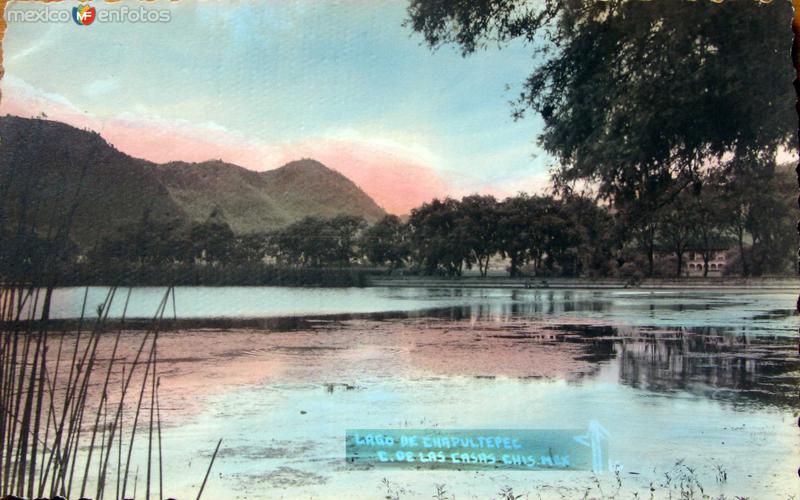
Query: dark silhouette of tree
[(213, 239), (548, 233), (770, 222), (438, 239), (300, 243), (251, 247), (514, 231), (317, 242), (558, 244), (345, 231), (638, 98), (148, 242), (677, 228), (593, 235), (756, 202), (386, 242), (478, 220), (711, 217)]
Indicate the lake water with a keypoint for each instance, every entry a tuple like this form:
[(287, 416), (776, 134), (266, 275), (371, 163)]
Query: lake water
[(696, 389)]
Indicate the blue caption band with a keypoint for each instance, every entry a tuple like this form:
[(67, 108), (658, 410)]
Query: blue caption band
[(512, 449)]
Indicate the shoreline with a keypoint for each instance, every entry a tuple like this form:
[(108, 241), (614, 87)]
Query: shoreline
[(584, 283), (500, 282)]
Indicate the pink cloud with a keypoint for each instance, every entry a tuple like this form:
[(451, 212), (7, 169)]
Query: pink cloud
[(397, 178)]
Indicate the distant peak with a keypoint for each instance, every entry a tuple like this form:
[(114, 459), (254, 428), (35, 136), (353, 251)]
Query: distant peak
[(204, 163), (306, 164)]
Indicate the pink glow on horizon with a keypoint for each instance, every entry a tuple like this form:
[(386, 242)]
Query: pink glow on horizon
[(396, 183), (396, 179)]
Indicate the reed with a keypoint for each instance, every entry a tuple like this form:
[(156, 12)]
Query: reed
[(51, 419), (61, 413), (62, 430), (208, 472)]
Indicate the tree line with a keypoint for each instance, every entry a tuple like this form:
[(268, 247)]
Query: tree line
[(536, 235)]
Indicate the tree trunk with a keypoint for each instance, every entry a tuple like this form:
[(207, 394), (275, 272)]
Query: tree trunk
[(514, 267), (680, 264), (741, 254)]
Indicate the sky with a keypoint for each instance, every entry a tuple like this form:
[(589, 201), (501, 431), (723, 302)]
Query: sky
[(263, 83)]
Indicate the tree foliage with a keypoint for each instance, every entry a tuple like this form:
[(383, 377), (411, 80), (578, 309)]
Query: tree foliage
[(554, 236), (316, 242), (386, 242), (639, 98), (568, 235), (212, 239)]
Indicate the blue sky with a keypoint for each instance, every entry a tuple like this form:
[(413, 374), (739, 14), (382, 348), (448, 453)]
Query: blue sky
[(284, 73)]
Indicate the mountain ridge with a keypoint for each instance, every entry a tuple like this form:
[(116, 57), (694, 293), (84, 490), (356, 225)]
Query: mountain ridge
[(51, 163)]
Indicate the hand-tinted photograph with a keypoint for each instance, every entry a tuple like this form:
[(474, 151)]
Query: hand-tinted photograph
[(399, 250)]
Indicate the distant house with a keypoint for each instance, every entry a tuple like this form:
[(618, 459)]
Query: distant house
[(693, 263)]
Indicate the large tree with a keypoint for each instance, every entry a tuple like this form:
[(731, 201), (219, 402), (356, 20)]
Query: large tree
[(712, 220), (638, 97), (386, 242), (150, 241), (592, 234), (478, 216), (770, 220), (346, 231), (438, 238), (213, 239), (515, 230), (535, 229), (677, 228), (313, 241)]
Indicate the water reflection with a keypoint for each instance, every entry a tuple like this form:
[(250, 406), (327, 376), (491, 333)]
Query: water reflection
[(742, 365), (716, 363), (739, 365), (729, 364), (281, 373), (733, 346)]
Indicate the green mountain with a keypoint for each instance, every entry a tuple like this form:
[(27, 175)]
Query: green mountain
[(46, 166), (309, 187), (258, 201), (241, 194)]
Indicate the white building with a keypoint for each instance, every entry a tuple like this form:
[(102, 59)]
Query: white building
[(693, 263)]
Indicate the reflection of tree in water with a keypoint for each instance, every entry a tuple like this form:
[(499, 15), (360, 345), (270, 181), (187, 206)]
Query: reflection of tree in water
[(522, 305), (730, 364), (711, 362)]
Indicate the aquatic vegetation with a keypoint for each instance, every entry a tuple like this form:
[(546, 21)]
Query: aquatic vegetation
[(59, 434)]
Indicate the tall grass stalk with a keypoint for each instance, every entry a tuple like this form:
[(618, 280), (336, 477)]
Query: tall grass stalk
[(53, 420)]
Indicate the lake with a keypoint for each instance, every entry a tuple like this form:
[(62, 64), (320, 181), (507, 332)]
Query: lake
[(697, 390)]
